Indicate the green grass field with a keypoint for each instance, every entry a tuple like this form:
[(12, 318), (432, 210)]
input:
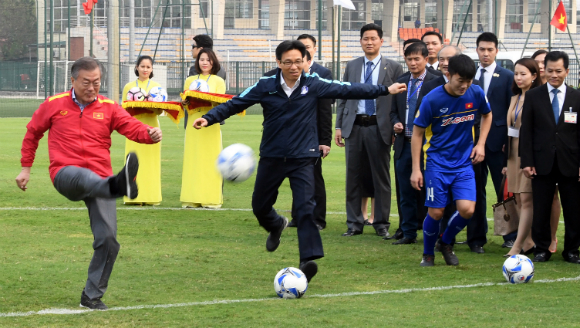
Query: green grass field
[(186, 261)]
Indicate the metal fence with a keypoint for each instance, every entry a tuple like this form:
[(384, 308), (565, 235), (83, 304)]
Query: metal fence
[(24, 85)]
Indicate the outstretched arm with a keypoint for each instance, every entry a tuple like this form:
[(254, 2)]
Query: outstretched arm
[(238, 104), (35, 130), (346, 90)]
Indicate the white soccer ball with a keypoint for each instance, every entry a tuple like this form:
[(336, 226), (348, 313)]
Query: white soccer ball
[(290, 283), (236, 162), (157, 94), (518, 269), (136, 94), (199, 85)]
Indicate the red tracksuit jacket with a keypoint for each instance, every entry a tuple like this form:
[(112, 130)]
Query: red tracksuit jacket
[(79, 139)]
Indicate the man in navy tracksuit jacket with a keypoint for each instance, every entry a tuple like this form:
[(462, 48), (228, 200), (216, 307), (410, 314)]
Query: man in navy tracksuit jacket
[(289, 147)]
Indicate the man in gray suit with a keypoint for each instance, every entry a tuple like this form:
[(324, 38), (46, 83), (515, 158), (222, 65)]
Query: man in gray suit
[(367, 131)]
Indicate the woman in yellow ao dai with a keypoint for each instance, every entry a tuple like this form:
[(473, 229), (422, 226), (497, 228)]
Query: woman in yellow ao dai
[(201, 182), (149, 176)]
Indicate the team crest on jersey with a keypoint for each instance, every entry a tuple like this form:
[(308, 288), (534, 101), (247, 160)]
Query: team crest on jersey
[(63, 112), (444, 110), (304, 90), (98, 116), (458, 120)]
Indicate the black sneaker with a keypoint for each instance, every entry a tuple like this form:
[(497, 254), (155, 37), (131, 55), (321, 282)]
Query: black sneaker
[(428, 260), (448, 254), (273, 240), (95, 304), (309, 268), (126, 179)]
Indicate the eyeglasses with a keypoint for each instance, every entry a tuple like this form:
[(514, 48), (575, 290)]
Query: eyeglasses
[(289, 64), (95, 84), (194, 46)]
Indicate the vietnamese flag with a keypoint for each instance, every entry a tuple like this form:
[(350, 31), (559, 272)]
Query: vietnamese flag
[(88, 6), (469, 106), (560, 21)]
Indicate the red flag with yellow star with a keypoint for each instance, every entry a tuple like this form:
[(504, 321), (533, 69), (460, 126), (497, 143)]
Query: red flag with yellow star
[(560, 20)]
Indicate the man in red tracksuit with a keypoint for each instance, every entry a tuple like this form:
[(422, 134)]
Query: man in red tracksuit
[(81, 122)]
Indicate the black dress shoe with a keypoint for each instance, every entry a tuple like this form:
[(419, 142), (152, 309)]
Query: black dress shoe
[(398, 235), (405, 241), (367, 223), (309, 268), (382, 232), (292, 224), (508, 244), (350, 233), (541, 257), (572, 258), (477, 249), (273, 240)]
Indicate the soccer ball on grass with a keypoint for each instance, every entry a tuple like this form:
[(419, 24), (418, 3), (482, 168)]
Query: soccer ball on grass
[(290, 283), (518, 269)]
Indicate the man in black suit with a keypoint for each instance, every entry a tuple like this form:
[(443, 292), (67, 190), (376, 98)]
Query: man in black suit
[(479, 218), (402, 115), (324, 124), (549, 149), (496, 82)]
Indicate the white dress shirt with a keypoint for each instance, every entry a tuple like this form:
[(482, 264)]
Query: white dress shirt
[(488, 75), (561, 95), (285, 86), (374, 77), (434, 66)]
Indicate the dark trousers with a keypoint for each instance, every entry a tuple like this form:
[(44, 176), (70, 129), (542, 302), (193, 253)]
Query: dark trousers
[(543, 187), (407, 194), (76, 183), (300, 172), (319, 196), (367, 141)]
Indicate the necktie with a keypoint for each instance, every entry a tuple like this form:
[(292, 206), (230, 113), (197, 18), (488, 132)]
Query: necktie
[(482, 79), (412, 105), (369, 103), (556, 105)]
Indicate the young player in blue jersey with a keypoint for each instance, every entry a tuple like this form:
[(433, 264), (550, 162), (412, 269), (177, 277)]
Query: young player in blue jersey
[(446, 118)]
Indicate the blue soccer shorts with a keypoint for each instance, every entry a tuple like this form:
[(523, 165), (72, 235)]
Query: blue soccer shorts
[(443, 187)]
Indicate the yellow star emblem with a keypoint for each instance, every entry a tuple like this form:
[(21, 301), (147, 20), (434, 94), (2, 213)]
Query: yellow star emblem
[(561, 19)]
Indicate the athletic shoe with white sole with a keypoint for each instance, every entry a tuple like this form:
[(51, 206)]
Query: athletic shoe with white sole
[(126, 179), (95, 304)]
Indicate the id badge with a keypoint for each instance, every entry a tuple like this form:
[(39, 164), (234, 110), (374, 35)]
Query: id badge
[(513, 132), (570, 117)]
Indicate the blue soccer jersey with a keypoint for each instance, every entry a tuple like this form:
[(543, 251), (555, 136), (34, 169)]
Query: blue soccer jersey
[(448, 121)]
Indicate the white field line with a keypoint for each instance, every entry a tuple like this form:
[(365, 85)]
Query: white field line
[(145, 208), (254, 300)]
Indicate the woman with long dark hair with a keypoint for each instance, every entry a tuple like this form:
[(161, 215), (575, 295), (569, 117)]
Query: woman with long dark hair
[(149, 177), (201, 183)]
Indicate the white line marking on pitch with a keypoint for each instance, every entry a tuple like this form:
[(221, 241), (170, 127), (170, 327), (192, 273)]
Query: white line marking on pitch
[(145, 208), (252, 300)]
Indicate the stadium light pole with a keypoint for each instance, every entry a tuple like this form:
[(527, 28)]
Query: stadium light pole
[(131, 31), (51, 40), (113, 53), (549, 26), (319, 29), (68, 35), (45, 54)]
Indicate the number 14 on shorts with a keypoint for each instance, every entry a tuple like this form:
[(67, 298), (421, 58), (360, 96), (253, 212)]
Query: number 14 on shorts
[(430, 194)]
